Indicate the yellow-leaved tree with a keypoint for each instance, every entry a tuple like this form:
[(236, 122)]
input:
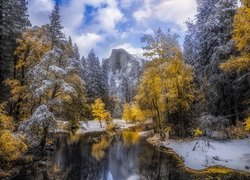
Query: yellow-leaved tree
[(247, 124), (166, 87), (99, 112), (133, 113), (241, 37), (11, 146), (127, 112), (31, 47)]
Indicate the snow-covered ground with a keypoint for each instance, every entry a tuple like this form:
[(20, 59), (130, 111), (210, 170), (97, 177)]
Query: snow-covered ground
[(94, 126), (233, 154)]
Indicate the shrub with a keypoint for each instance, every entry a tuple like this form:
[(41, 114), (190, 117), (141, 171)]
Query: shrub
[(11, 147)]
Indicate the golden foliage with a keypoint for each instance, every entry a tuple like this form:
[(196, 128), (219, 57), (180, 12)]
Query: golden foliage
[(218, 170), (247, 124), (73, 138), (133, 113), (98, 149), (31, 47), (11, 147), (110, 128), (16, 88), (6, 122), (166, 86), (241, 37), (198, 132), (99, 112), (130, 138), (127, 112)]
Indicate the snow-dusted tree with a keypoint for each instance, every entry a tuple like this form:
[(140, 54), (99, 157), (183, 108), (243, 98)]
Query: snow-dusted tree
[(31, 48), (94, 80), (207, 44), (105, 77), (188, 46), (83, 69), (51, 79), (76, 52), (161, 45)]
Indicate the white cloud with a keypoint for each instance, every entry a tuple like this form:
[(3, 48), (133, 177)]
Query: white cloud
[(145, 12), (87, 41), (39, 11), (89, 36), (72, 15), (130, 49), (126, 3), (177, 11), (174, 11), (109, 16)]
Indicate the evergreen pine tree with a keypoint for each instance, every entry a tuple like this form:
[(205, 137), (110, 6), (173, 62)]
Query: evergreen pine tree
[(13, 20), (94, 80), (55, 26)]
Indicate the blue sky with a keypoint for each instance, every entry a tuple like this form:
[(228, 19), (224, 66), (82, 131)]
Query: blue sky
[(107, 24)]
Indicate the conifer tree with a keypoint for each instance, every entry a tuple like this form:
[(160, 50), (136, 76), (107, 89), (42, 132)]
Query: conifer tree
[(55, 26), (94, 80)]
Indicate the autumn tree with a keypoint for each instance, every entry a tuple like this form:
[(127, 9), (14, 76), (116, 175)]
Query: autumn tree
[(247, 125), (166, 86), (31, 48), (133, 113), (127, 112), (11, 146), (241, 37), (240, 64), (98, 111)]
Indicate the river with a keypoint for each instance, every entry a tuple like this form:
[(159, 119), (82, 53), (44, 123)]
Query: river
[(82, 157)]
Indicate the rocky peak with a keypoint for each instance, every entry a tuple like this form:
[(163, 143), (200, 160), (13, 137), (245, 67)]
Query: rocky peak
[(120, 59), (124, 70)]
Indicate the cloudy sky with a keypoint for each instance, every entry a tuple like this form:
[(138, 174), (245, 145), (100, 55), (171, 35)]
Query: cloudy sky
[(107, 24)]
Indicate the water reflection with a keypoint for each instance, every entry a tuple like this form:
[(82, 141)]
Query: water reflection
[(130, 138), (98, 149), (110, 159)]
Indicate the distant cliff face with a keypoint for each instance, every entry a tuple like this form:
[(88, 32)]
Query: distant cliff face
[(123, 74)]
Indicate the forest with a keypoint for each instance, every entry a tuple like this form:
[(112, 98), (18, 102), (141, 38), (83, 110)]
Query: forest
[(57, 105)]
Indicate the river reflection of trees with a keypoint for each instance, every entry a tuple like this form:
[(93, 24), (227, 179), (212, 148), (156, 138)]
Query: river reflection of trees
[(119, 157)]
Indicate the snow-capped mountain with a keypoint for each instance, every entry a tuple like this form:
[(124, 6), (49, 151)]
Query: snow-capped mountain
[(123, 74)]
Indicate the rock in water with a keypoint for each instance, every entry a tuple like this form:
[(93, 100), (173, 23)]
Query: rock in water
[(123, 74)]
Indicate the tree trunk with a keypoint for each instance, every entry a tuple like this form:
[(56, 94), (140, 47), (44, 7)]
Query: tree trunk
[(100, 123)]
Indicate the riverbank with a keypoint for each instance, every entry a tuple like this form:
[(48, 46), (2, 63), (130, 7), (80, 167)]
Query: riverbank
[(94, 126), (203, 155)]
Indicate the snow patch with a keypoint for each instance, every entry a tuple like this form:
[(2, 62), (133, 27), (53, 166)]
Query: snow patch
[(204, 152)]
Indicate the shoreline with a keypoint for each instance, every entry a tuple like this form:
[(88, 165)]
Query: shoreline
[(215, 171)]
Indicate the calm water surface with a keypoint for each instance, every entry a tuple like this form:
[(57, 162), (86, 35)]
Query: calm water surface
[(87, 157), (76, 160)]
